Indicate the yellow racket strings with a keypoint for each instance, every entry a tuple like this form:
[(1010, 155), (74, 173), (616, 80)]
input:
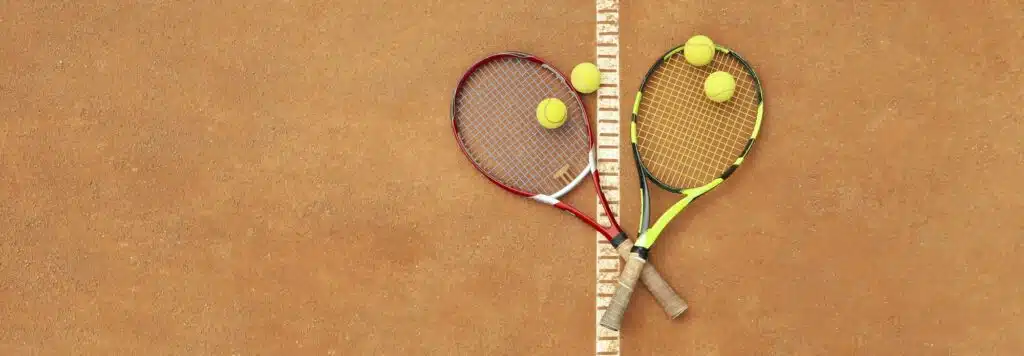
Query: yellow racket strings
[(684, 139)]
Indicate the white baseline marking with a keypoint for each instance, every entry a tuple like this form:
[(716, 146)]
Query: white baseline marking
[(607, 342)]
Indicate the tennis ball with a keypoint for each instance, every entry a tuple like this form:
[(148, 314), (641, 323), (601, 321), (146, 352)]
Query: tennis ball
[(699, 50), (551, 113), (586, 78), (719, 86)]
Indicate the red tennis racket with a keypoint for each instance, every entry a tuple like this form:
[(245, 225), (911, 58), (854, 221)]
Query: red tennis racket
[(493, 118)]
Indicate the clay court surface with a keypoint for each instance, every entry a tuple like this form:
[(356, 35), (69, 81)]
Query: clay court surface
[(280, 178)]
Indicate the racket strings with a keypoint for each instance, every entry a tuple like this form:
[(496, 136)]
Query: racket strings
[(684, 138), (495, 114)]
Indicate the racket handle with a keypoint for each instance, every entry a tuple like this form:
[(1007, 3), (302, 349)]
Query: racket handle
[(612, 317), (670, 302)]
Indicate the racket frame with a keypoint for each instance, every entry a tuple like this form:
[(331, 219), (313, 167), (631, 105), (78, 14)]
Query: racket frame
[(591, 168), (649, 234), (671, 303), (612, 318)]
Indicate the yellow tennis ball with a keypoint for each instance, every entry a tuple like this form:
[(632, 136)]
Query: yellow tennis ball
[(551, 113), (586, 78), (699, 50), (719, 86)]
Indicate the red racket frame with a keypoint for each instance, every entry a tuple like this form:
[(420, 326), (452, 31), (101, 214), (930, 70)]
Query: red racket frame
[(609, 232)]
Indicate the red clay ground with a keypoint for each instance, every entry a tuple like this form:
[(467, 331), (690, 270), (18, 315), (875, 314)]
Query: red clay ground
[(279, 178)]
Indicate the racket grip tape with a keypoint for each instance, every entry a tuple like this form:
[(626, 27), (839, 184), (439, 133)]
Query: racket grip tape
[(670, 302), (612, 318)]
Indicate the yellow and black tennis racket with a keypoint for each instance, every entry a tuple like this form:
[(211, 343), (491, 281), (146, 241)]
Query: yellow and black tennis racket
[(685, 143)]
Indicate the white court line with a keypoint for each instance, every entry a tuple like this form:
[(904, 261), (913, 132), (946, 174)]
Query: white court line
[(607, 263)]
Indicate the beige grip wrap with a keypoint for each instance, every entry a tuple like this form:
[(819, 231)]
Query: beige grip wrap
[(670, 302), (612, 317)]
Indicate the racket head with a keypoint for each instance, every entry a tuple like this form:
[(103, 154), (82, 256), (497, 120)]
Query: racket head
[(682, 140), (493, 115)]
